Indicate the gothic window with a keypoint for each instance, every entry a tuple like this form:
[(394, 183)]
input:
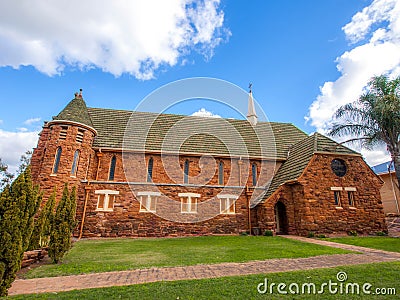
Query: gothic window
[(57, 160), (254, 173), (75, 163), (150, 170), (186, 172), (112, 168), (221, 173)]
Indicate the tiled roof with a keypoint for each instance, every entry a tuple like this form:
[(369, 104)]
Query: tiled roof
[(136, 130), (300, 155), (383, 168), (75, 111)]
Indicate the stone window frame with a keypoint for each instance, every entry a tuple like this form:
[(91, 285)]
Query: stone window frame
[(351, 191), (191, 202), (230, 201), (106, 199), (56, 163), (337, 196), (75, 163), (151, 197)]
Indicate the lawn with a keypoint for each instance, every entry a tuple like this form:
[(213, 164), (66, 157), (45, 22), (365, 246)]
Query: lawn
[(92, 256), (245, 287), (375, 242)]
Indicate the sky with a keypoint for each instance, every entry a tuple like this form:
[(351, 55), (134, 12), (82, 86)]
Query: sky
[(304, 58)]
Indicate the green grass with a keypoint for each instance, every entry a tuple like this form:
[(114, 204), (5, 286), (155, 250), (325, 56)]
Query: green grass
[(245, 287), (375, 242), (92, 256)]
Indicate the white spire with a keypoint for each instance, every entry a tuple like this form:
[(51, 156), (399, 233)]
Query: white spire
[(251, 111)]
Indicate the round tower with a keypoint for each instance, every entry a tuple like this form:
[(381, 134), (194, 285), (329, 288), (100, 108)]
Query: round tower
[(64, 148)]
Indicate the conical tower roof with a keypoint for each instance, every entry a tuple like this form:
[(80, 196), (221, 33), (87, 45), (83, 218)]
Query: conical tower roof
[(75, 111)]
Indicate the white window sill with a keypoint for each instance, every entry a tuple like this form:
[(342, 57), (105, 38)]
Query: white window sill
[(339, 207), (53, 175), (101, 209), (228, 213), (188, 212), (353, 208), (72, 176), (147, 211)]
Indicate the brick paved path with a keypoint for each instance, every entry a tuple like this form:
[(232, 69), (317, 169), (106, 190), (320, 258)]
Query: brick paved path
[(66, 283)]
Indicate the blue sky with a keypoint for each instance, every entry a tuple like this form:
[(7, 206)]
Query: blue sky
[(304, 58)]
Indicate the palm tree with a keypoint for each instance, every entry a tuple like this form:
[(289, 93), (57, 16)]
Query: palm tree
[(374, 118)]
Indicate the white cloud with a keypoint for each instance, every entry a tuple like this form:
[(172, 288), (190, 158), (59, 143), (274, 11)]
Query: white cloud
[(202, 112), (14, 144), (376, 29), (32, 121), (127, 36)]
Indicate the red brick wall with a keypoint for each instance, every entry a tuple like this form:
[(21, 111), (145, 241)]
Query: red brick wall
[(126, 220), (44, 155), (310, 203)]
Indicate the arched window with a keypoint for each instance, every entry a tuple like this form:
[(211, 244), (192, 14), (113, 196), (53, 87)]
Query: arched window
[(75, 163), (57, 160), (221, 173), (112, 168), (186, 172), (150, 170), (254, 173)]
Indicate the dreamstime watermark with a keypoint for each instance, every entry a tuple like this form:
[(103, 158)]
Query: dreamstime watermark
[(152, 132), (340, 286)]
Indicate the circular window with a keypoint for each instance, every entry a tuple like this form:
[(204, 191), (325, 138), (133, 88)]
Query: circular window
[(338, 167)]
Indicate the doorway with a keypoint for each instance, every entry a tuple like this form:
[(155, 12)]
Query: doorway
[(281, 218)]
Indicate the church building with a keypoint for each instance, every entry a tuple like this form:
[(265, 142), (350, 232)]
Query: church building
[(142, 174)]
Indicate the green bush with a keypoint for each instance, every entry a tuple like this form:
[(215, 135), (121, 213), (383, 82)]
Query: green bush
[(381, 233), (268, 233), (310, 234), (19, 202), (352, 233), (62, 225), (321, 236), (41, 232)]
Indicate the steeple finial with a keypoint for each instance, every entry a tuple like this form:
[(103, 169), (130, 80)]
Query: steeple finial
[(251, 111)]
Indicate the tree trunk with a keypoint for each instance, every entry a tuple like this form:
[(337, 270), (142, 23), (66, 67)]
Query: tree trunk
[(396, 163)]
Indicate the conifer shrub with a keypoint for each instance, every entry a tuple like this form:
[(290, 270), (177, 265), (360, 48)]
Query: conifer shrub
[(62, 225), (19, 202), (42, 229)]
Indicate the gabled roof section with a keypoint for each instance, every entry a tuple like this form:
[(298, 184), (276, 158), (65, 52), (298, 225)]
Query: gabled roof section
[(205, 135), (300, 155), (75, 111)]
